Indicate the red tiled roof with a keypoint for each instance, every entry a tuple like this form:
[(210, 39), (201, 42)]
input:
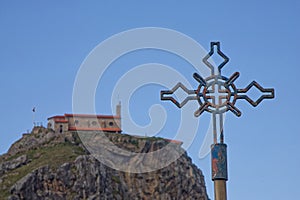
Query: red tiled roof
[(85, 116), (73, 128), (93, 116), (60, 121), (57, 116)]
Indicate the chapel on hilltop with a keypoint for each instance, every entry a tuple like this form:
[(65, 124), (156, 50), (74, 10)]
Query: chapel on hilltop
[(86, 122)]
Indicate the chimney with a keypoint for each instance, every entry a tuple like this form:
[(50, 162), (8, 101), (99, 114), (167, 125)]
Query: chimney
[(118, 109)]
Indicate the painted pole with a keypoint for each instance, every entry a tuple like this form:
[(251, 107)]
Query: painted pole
[(219, 170)]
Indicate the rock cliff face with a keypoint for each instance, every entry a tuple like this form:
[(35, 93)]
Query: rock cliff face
[(47, 165)]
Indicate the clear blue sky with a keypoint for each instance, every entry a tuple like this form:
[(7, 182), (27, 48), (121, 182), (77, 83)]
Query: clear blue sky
[(43, 44)]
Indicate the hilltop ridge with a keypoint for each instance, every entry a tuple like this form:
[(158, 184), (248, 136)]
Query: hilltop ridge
[(49, 165)]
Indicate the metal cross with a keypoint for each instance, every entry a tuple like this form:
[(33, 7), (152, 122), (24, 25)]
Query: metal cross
[(216, 93)]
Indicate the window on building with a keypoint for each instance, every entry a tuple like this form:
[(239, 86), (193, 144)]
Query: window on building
[(94, 123), (60, 128), (111, 123)]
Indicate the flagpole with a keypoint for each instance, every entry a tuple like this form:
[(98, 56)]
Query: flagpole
[(33, 116)]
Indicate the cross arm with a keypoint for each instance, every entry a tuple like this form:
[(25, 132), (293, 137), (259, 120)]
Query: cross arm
[(166, 95), (267, 93)]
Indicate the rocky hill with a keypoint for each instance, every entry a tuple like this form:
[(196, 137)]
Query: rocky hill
[(49, 165)]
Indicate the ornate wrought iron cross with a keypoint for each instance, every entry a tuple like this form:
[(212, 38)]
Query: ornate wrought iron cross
[(216, 93)]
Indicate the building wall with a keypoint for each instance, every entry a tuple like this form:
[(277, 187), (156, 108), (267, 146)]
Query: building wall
[(93, 123), (51, 123), (61, 127), (70, 122)]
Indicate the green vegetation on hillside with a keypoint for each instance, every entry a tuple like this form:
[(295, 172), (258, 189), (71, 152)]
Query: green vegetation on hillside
[(59, 154)]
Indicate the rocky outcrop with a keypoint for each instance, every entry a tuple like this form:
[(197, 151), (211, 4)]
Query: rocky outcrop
[(87, 178), (13, 164), (40, 137)]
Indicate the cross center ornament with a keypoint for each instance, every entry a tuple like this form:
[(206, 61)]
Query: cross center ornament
[(218, 94)]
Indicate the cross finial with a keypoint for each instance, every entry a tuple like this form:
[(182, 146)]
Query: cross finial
[(211, 53)]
